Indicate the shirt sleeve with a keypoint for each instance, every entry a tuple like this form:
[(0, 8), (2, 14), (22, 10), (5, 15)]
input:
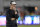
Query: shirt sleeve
[(17, 15), (7, 14)]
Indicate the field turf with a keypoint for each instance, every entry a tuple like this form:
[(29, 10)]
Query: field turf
[(26, 26)]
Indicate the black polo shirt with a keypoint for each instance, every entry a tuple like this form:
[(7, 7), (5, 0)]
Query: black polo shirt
[(11, 14)]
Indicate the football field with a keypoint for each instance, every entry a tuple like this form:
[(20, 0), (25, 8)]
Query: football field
[(26, 26)]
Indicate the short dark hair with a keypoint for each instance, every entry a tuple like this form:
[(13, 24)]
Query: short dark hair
[(11, 2)]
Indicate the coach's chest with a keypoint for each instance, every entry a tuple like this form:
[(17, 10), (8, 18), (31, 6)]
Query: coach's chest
[(12, 12)]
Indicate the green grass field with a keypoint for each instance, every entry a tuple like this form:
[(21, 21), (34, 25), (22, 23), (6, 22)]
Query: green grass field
[(26, 26)]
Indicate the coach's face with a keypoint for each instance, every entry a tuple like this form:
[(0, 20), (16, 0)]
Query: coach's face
[(13, 6)]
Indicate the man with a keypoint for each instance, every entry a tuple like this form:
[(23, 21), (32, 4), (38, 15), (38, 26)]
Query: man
[(12, 15)]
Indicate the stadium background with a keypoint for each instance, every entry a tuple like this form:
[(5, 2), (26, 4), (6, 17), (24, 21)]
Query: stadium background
[(29, 12)]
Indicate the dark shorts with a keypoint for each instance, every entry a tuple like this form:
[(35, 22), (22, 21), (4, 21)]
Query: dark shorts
[(11, 23)]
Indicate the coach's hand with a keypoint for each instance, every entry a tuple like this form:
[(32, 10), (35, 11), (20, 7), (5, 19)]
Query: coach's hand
[(15, 12), (12, 18)]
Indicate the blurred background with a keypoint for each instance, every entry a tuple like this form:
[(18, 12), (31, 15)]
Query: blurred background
[(29, 12)]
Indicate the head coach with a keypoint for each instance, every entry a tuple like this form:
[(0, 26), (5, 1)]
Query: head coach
[(11, 15)]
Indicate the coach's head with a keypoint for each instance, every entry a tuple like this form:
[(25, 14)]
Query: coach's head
[(13, 5)]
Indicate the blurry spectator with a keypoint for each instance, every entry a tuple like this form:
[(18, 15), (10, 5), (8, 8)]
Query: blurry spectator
[(26, 12), (22, 15), (3, 13), (0, 13), (33, 13), (37, 13)]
